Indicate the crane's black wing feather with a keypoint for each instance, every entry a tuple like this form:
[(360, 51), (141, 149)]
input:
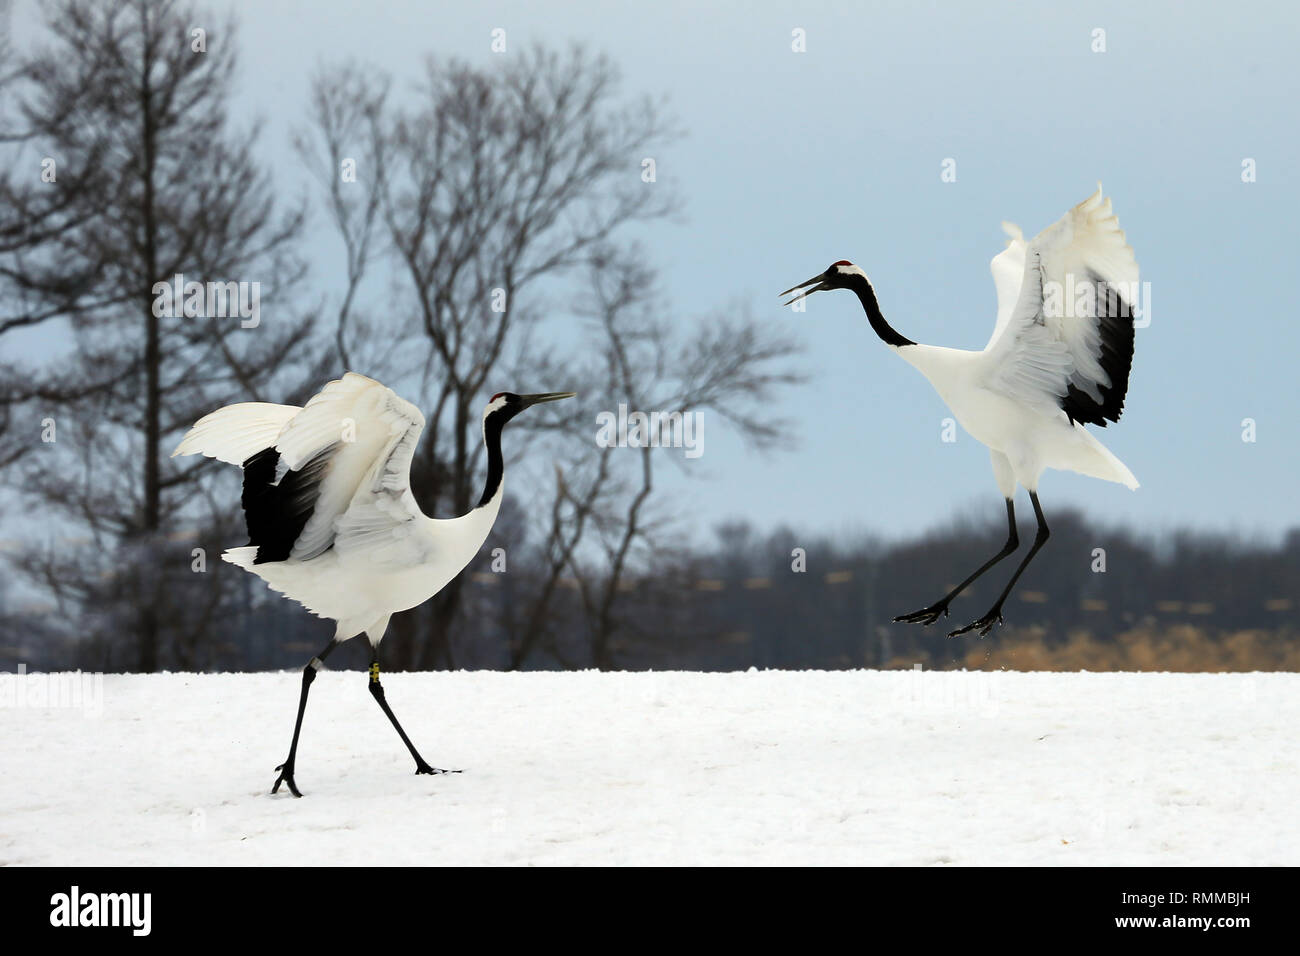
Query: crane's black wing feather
[(276, 512), (1114, 354)]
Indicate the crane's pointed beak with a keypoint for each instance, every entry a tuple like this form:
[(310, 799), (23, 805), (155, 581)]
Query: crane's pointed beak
[(528, 400), (821, 285)]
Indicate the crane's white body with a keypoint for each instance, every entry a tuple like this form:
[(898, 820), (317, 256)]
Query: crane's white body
[(1007, 395), (367, 551), (359, 595), (1023, 440)]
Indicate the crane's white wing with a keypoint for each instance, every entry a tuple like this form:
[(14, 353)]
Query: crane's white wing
[(236, 433), (365, 435), (1008, 268), (1068, 340), (383, 526)]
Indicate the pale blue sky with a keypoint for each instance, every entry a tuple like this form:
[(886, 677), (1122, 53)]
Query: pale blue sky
[(795, 160)]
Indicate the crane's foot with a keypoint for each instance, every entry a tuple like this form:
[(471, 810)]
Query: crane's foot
[(286, 777), (926, 616), (983, 625), (423, 767)]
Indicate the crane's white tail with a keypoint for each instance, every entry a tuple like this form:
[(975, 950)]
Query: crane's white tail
[(241, 557), (299, 582), (1094, 459), (237, 432)]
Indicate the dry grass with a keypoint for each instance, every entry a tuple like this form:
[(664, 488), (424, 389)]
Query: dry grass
[(1180, 648)]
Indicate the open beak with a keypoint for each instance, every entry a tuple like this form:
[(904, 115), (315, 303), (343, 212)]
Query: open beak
[(537, 399), (821, 285)]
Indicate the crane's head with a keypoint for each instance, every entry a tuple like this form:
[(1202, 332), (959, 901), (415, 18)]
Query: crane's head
[(506, 405), (839, 275)]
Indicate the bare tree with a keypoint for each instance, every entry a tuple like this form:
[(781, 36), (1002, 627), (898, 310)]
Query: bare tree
[(491, 183), (345, 148), (604, 525), (146, 180)]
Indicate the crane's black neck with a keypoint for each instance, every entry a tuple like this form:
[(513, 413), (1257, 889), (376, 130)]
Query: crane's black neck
[(867, 296), (492, 426)]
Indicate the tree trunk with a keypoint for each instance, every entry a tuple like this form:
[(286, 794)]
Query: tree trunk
[(152, 416)]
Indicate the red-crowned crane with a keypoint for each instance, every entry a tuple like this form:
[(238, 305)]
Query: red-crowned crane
[(331, 520), (1058, 360)]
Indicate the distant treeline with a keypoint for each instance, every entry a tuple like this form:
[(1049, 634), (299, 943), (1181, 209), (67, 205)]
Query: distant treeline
[(1180, 602), (1156, 591)]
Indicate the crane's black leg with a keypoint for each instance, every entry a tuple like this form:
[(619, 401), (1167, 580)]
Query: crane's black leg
[(308, 675), (994, 616), (377, 692), (929, 615)]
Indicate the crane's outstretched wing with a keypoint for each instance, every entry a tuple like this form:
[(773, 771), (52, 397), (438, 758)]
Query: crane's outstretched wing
[(235, 433), (1068, 339), (354, 442), (383, 526), (1008, 268), (334, 473)]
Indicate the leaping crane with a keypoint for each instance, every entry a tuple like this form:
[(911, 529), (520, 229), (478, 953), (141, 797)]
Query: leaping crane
[(1058, 359)]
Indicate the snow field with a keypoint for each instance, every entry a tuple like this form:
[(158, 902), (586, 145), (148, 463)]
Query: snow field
[(853, 767)]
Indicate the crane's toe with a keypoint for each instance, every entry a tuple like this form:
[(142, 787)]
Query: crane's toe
[(926, 616), (423, 767), (983, 625), (286, 778)]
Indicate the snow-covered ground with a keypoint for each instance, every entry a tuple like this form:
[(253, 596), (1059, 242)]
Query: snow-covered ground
[(809, 767)]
